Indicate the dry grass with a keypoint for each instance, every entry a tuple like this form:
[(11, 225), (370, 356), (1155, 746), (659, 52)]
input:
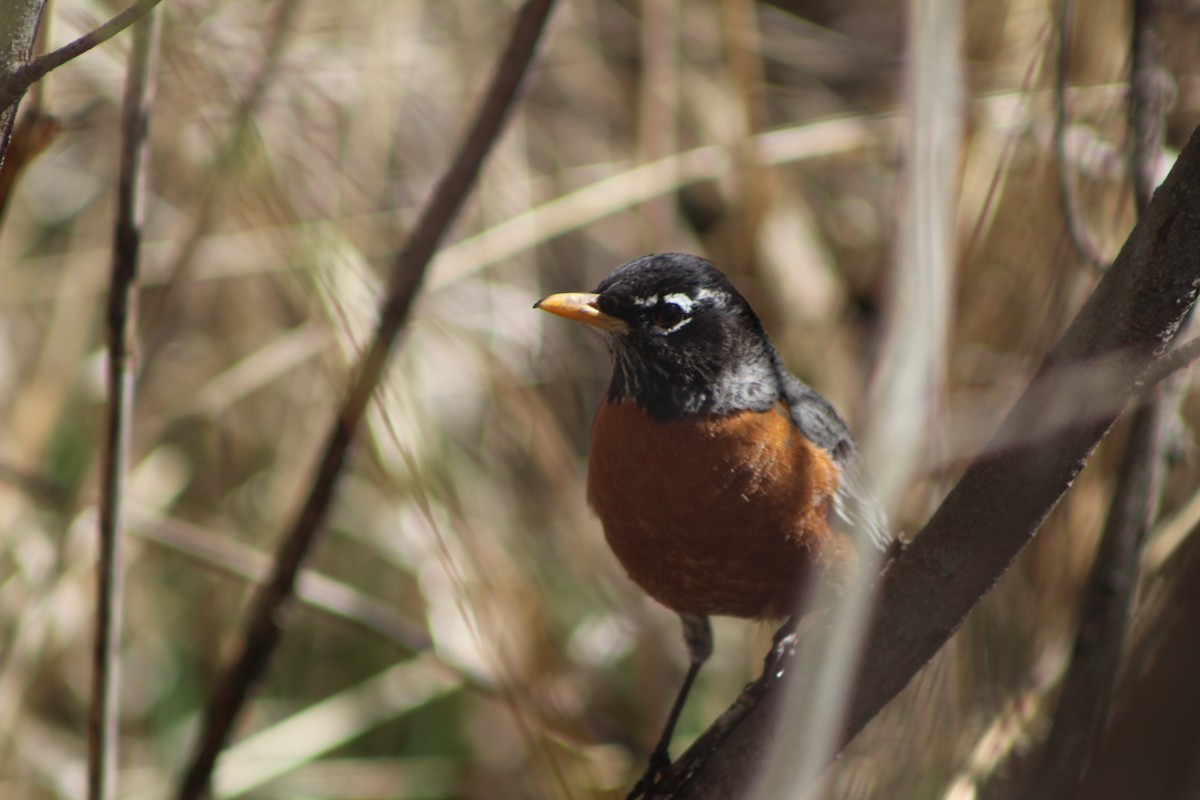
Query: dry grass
[(543, 672)]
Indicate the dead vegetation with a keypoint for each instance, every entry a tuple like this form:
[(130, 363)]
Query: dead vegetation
[(462, 630)]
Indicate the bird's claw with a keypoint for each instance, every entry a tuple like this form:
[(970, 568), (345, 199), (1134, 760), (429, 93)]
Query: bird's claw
[(782, 650), (660, 762)]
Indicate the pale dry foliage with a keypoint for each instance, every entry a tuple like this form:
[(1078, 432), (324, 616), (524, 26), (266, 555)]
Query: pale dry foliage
[(463, 513)]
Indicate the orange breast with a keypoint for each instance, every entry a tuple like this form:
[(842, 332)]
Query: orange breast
[(714, 514)]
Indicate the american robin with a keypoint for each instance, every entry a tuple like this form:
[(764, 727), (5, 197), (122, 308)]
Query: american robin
[(723, 482)]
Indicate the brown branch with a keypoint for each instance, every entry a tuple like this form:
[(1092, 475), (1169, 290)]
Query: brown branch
[(265, 624), (1076, 227), (122, 323), (1085, 703), (1005, 494), (20, 21), (17, 81)]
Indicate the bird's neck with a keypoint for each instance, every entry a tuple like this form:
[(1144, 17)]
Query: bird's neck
[(749, 382)]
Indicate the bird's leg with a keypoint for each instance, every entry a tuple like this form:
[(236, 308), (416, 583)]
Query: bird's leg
[(697, 635)]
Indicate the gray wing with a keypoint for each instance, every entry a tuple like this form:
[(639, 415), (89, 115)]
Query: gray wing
[(855, 504)]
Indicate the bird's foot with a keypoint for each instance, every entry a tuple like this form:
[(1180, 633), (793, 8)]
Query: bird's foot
[(660, 762), (783, 648), (895, 548)]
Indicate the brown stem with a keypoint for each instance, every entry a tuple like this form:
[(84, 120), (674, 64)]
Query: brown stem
[(122, 323), (19, 24), (264, 627)]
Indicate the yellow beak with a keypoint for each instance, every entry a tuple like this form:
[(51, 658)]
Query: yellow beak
[(581, 307)]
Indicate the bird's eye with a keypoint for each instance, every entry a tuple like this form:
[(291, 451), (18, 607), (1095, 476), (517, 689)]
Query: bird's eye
[(666, 316)]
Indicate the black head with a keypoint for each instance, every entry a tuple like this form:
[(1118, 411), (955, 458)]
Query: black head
[(683, 340)]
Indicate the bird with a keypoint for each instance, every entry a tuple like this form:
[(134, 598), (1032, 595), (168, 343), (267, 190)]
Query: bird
[(724, 485)]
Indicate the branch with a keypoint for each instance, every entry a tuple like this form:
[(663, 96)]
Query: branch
[(20, 21), (264, 627), (122, 324), (1005, 494), (1171, 362), (17, 82)]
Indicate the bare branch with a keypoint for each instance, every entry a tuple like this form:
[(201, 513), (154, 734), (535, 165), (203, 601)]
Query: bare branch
[(265, 624), (16, 83), (122, 322), (20, 21), (1172, 361)]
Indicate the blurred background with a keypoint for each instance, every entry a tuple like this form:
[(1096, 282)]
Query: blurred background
[(463, 631)]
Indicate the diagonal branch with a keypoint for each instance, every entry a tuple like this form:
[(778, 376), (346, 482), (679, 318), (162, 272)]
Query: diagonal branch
[(264, 629), (1005, 494)]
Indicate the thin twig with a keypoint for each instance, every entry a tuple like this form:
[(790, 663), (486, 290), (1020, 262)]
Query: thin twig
[(1172, 361), (1085, 703), (1076, 227), (264, 626), (122, 327), (16, 83)]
